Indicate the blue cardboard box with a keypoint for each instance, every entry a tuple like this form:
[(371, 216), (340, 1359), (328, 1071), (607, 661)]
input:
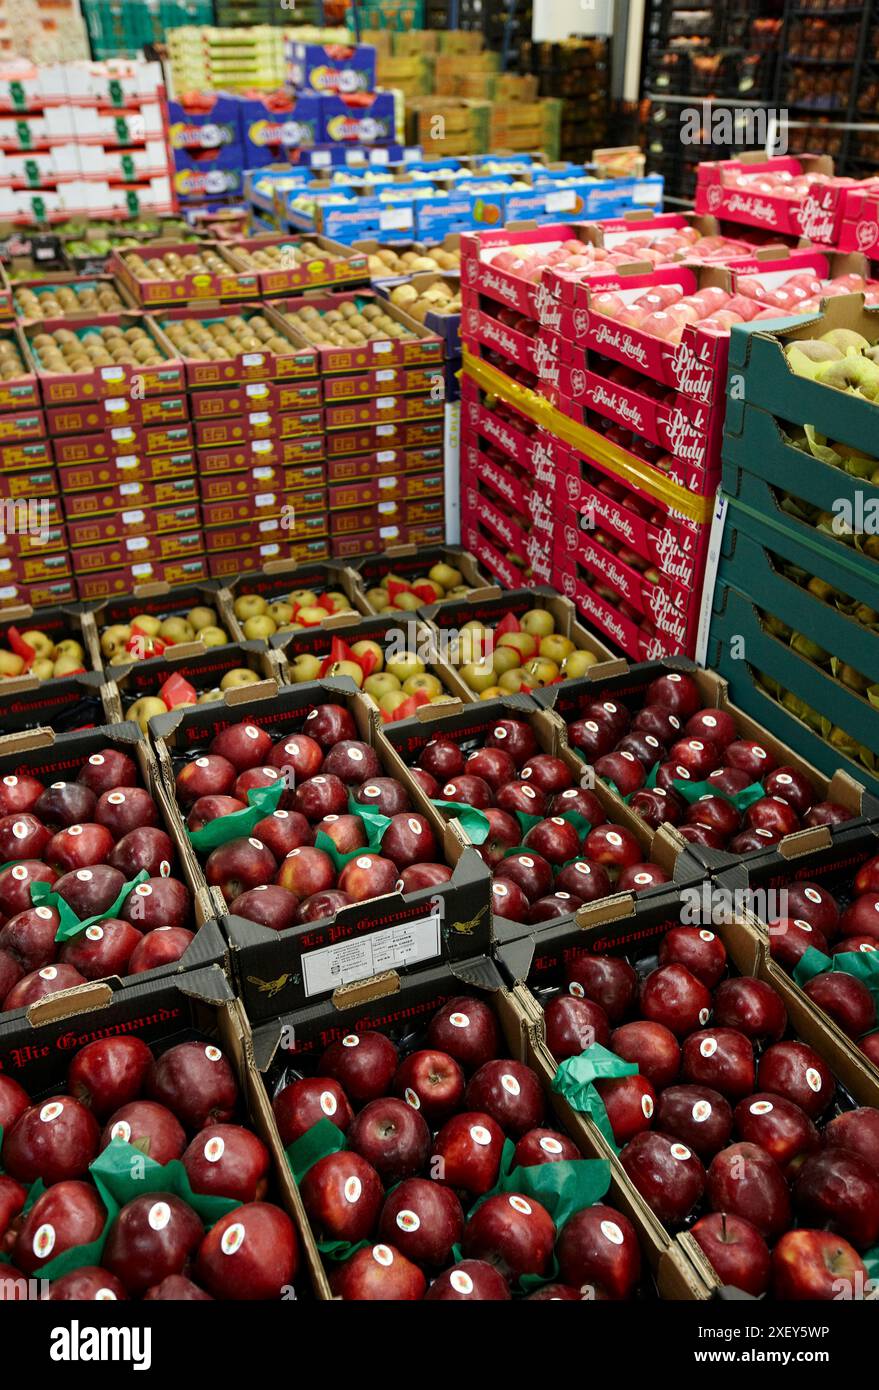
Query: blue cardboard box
[(206, 134), (270, 133), (198, 185), (365, 121), (332, 67)]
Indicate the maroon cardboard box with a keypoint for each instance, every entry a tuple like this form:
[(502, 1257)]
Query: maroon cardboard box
[(255, 395), (336, 265), (375, 541), (299, 362), (40, 594), (35, 569), (13, 456), (67, 388), (383, 463), (133, 520), (127, 468), (241, 533), (257, 453), (116, 412), (382, 381), (382, 410), (175, 492), (34, 482), (131, 549), (21, 427), (392, 434), (424, 348), (125, 441), (231, 563), (20, 543), (195, 287), (391, 488), (115, 582), (225, 486), (415, 512), (19, 392), (257, 424), (265, 504)]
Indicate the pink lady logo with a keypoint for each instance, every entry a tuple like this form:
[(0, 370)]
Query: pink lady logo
[(473, 320), (547, 308), (568, 585), (578, 383), (715, 196), (581, 323), (472, 269), (816, 217), (571, 538), (866, 235)]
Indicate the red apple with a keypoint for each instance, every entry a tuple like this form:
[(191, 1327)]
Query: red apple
[(424, 1221), (196, 1083), (392, 1136), (630, 1102), (531, 872), (736, 1250), (816, 1266), (585, 882), (77, 846), (378, 1273), (581, 800), (105, 948), (659, 722), (778, 1126), (125, 809), (701, 951), (346, 832), (697, 1115), (612, 846), (65, 803), (698, 756), (522, 797), (243, 745), (158, 902), (827, 813), (674, 997), (298, 758), (66, 1215), (544, 1146), (548, 773), (89, 891), (147, 848), (608, 713), (716, 813), (771, 813), (512, 1232), (668, 1175), (866, 879), (342, 1195), (50, 980), (729, 781), (752, 1007), (466, 1152), (516, 738), (749, 756), (838, 1189), (621, 768), (285, 830), (598, 1250), (608, 981), (108, 1073), (208, 775), (321, 905), (383, 794), (54, 1140), (715, 725), (432, 1082), (10, 974), (701, 835), (370, 875), (744, 1180), (591, 738), (503, 833), (149, 1127), (508, 900), (844, 999), (304, 871), (256, 779), (812, 903), (302, 1104), (108, 769), (22, 837), (352, 761), (753, 840), (408, 839), (790, 938), (238, 865), (652, 1046), (656, 806), (30, 937), (252, 1254), (175, 1289), (471, 791), (722, 1058), (14, 1100), (471, 1280), (494, 765), (555, 840), (88, 1284), (330, 724), (861, 918), (573, 1025), (792, 786), (676, 691), (645, 747), (162, 946), (363, 1064), (269, 904), (857, 1130), (442, 758), (323, 795), (795, 1070), (509, 1092)]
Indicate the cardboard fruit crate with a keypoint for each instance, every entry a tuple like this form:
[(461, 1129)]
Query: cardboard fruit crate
[(802, 682), (408, 562)]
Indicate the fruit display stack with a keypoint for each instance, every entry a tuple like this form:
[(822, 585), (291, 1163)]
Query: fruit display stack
[(34, 559), (140, 1160), (407, 577), (383, 398), (797, 574), (255, 401), (666, 737), (117, 410), (739, 1122), (82, 139)]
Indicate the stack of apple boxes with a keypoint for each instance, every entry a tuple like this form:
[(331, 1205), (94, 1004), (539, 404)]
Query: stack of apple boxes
[(125, 464), (384, 422), (34, 560)]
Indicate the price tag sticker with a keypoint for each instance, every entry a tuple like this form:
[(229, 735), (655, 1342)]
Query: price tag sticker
[(565, 200), (396, 219), (132, 518)]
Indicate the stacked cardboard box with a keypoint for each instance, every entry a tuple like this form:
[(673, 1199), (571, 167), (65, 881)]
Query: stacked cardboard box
[(383, 418), (82, 139)]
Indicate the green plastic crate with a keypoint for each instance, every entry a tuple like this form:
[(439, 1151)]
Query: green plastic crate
[(173, 14), (120, 28), (736, 627), (389, 14)]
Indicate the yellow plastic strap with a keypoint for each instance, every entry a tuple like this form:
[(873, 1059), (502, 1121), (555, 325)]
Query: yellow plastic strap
[(589, 442)]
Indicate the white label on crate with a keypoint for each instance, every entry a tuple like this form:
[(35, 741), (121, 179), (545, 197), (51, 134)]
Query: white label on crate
[(116, 405), (271, 525), (262, 446), (379, 348), (385, 429), (386, 455), (565, 200), (646, 193), (389, 533), (412, 155), (260, 473), (320, 159), (269, 551), (359, 959), (386, 507), (386, 374), (379, 156), (257, 389), (386, 402), (112, 374), (126, 461), (253, 359), (122, 432), (128, 488), (259, 417), (8, 591), (264, 499), (388, 482), (142, 571), (137, 542), (396, 219), (132, 518)]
